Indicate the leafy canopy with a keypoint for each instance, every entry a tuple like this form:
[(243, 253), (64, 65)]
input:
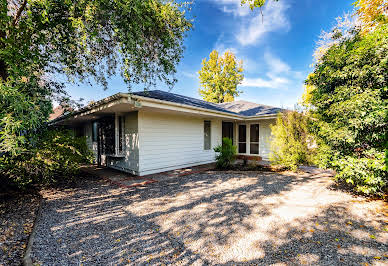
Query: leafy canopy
[(348, 98), (41, 40), (372, 13), (219, 77)]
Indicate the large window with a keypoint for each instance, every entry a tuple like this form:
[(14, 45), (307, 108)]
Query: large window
[(254, 139), (207, 135), (242, 138)]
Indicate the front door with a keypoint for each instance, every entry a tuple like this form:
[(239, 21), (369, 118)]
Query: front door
[(227, 130), (106, 138)]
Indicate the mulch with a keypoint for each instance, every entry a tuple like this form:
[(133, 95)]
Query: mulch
[(17, 214)]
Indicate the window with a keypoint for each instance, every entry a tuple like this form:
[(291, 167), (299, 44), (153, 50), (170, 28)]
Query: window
[(121, 133), (254, 139), (207, 135), (94, 131), (242, 138)]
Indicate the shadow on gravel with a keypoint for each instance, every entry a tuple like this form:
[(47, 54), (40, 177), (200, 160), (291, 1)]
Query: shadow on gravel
[(208, 218)]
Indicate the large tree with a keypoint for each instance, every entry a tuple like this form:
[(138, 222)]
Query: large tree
[(372, 13), (347, 95), (219, 77), (82, 40)]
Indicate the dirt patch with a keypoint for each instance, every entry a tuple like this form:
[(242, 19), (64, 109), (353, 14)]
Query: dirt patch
[(17, 214)]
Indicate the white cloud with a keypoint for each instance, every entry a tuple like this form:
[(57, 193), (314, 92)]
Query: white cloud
[(189, 74), (274, 19), (278, 76), (275, 64), (233, 7), (273, 82)]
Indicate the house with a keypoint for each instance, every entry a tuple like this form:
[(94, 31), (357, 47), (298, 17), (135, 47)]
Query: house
[(154, 131)]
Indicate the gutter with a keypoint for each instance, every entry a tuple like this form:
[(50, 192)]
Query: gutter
[(147, 99), (134, 98)]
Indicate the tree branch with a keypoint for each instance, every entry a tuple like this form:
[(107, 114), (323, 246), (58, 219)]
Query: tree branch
[(19, 12)]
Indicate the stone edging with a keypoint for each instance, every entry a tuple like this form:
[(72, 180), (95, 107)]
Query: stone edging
[(27, 261)]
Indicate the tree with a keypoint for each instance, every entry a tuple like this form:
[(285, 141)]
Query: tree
[(82, 40), (291, 143), (348, 99), (219, 77), (372, 13)]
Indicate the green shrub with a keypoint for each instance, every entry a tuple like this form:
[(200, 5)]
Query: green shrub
[(226, 153), (56, 155), (348, 102), (367, 175), (291, 144)]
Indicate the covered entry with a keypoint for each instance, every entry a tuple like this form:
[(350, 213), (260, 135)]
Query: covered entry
[(227, 130)]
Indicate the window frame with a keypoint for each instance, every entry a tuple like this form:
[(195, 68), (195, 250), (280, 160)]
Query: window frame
[(242, 142), (254, 142), (207, 137)]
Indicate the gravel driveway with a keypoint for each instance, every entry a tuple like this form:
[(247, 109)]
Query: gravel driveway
[(212, 218)]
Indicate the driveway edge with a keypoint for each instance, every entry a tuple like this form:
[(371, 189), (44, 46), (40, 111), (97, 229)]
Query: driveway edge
[(27, 261)]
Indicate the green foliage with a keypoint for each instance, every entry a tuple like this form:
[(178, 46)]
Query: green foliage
[(226, 153), (55, 156), (348, 100), (367, 174), (291, 142), (83, 41), (219, 77)]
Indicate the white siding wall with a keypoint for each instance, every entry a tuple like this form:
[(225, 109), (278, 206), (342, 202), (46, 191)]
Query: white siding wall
[(169, 141), (130, 163), (264, 137)]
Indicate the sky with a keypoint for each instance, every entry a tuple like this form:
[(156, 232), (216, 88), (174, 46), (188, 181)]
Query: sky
[(276, 49)]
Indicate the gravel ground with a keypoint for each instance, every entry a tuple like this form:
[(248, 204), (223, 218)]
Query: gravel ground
[(17, 215), (212, 218)]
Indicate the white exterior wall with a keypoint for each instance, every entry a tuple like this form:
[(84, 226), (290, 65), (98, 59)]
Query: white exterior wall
[(130, 162), (172, 141), (264, 137)]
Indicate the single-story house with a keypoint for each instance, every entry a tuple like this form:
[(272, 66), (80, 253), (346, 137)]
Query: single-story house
[(154, 131)]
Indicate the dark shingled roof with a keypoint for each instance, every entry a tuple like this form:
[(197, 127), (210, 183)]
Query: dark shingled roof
[(176, 98), (250, 109), (238, 107)]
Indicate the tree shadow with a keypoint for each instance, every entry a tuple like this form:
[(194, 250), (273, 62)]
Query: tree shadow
[(206, 218)]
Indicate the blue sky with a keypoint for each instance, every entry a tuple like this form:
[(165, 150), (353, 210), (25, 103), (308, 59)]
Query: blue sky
[(276, 50)]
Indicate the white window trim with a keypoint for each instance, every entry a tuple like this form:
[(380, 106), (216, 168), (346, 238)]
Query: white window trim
[(258, 142), (210, 135), (248, 138)]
